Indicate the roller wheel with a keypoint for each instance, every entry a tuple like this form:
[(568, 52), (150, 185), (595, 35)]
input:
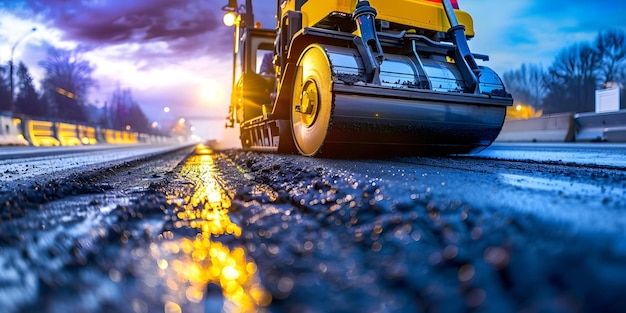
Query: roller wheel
[(312, 105)]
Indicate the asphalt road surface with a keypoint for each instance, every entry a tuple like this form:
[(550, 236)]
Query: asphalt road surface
[(516, 228)]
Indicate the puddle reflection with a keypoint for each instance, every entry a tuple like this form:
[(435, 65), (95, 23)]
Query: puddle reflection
[(195, 263)]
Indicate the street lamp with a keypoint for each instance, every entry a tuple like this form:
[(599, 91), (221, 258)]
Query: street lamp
[(240, 17), (11, 64), (230, 17), (233, 10)]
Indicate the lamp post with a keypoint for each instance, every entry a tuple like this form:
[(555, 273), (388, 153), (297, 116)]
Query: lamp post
[(248, 16), (11, 65), (239, 17)]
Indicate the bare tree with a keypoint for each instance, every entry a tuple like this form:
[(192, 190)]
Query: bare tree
[(27, 101), (67, 82), (5, 94), (527, 85), (572, 80), (610, 47), (127, 113)]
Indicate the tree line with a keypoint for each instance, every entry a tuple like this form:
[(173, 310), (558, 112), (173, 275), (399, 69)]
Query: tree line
[(569, 84), (63, 94)]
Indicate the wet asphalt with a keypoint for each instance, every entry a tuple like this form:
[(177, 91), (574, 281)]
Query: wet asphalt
[(198, 230), (434, 234)]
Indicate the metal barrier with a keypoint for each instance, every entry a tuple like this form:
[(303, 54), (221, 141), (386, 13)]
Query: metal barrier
[(130, 137), (615, 134), (601, 126), (26, 131), (67, 134), (87, 135), (113, 136), (40, 133), (549, 128), (10, 133)]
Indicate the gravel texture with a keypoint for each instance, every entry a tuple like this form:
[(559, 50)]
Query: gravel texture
[(66, 244), (204, 231), (328, 236)]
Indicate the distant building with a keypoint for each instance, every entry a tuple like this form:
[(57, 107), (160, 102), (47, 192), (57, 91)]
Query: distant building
[(608, 99)]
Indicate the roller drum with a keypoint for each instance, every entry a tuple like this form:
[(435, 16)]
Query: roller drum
[(418, 106)]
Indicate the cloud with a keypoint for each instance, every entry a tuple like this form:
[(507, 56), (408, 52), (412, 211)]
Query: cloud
[(184, 27), (151, 33)]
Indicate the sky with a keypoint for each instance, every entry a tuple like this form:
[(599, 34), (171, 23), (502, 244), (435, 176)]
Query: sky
[(178, 54)]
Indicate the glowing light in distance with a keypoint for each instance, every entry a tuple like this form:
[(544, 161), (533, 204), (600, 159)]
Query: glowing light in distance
[(209, 92), (229, 18)]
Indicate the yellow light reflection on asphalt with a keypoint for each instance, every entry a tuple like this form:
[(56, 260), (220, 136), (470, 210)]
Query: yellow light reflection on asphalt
[(200, 261)]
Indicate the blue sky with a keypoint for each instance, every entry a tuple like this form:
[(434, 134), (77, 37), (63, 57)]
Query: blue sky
[(516, 32), (177, 53)]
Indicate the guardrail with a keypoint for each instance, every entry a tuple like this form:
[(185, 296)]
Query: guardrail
[(601, 126), (567, 127), (549, 128), (10, 132), (87, 135), (615, 134), (35, 132), (40, 133)]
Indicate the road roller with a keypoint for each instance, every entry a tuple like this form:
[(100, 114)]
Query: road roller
[(341, 76)]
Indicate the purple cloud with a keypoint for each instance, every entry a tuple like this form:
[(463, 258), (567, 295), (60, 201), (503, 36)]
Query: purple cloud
[(185, 26)]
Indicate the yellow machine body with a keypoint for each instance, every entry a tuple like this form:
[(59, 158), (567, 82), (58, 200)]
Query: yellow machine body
[(410, 13), (354, 75)]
